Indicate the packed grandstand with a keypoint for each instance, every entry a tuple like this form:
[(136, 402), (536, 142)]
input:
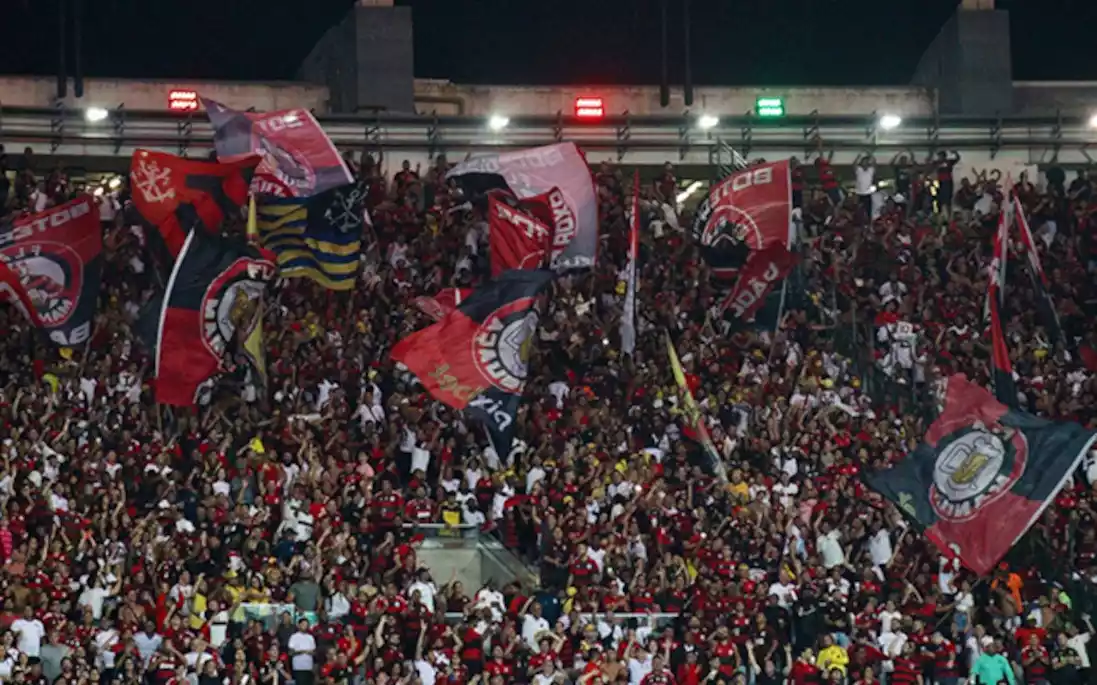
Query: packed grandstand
[(700, 476)]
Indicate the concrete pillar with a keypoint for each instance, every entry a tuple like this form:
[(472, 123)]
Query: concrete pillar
[(969, 62), (366, 60)]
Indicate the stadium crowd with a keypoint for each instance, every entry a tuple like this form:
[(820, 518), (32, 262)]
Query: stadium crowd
[(137, 543)]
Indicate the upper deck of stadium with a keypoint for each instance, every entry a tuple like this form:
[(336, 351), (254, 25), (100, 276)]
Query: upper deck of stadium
[(359, 81)]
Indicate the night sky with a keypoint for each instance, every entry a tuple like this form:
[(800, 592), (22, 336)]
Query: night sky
[(582, 42)]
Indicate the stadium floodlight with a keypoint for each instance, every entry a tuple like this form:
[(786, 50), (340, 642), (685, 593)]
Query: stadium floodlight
[(707, 121), (1093, 121), (94, 114), (498, 122), (889, 122)]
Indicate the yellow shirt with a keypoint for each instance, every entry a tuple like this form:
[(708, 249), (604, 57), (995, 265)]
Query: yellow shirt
[(832, 657)]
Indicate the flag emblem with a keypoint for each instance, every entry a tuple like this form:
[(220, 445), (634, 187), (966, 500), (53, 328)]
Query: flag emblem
[(502, 345), (231, 304), (153, 181), (975, 466)]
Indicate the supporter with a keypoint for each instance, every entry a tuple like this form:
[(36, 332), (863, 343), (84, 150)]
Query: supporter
[(276, 539)]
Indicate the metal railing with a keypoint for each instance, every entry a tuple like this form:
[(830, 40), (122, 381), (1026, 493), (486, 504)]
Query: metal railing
[(639, 139)]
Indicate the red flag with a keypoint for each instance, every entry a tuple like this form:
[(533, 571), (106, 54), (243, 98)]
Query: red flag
[(762, 271), (518, 240), (439, 306), (175, 194), (751, 209)]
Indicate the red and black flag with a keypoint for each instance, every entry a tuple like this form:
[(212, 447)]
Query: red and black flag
[(749, 211), (983, 475), (210, 307), (440, 305), (175, 195), (1001, 366), (476, 357), (762, 272), (518, 240), (53, 265), (554, 174), (299, 160)]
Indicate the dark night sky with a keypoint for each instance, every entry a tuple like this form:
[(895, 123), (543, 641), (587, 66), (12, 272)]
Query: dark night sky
[(747, 42)]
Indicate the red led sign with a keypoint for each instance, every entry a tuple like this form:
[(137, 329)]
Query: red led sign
[(589, 108), (183, 100)]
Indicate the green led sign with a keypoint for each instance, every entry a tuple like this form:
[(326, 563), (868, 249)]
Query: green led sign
[(769, 107)]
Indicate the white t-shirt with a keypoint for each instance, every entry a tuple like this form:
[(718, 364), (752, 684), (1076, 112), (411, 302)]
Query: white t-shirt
[(531, 627), (302, 642), (638, 669), (30, 636), (830, 549), (879, 548), (865, 179), (1078, 644), (93, 597), (784, 592)]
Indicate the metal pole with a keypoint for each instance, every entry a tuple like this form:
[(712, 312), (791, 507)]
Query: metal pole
[(77, 48), (688, 80), (62, 74), (664, 77)]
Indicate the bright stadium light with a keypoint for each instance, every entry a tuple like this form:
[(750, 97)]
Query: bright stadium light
[(498, 122), (1093, 121), (889, 122), (707, 121), (94, 114)]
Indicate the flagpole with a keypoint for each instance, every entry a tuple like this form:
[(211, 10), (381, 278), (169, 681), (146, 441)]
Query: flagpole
[(780, 315)]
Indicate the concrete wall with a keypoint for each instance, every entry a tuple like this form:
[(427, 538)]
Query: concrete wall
[(474, 561), (1047, 99), (24, 91), (643, 100)]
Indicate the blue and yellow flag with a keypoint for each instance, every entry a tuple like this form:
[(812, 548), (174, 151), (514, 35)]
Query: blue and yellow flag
[(318, 237)]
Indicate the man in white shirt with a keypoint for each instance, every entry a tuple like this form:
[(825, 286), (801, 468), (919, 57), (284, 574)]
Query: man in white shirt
[(533, 625), (426, 589), (29, 632), (639, 663), (302, 646), (866, 184)]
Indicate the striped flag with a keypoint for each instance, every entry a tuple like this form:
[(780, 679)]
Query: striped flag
[(628, 319)]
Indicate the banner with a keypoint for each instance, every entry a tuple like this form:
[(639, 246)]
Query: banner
[(319, 238), (175, 195), (628, 317), (762, 272), (439, 306), (211, 307), (1001, 170), (695, 423), (299, 159), (54, 264), (558, 168), (750, 210), (983, 475), (476, 357), (518, 240)]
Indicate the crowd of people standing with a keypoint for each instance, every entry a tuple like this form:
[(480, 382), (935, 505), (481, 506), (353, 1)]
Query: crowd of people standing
[(139, 545)]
